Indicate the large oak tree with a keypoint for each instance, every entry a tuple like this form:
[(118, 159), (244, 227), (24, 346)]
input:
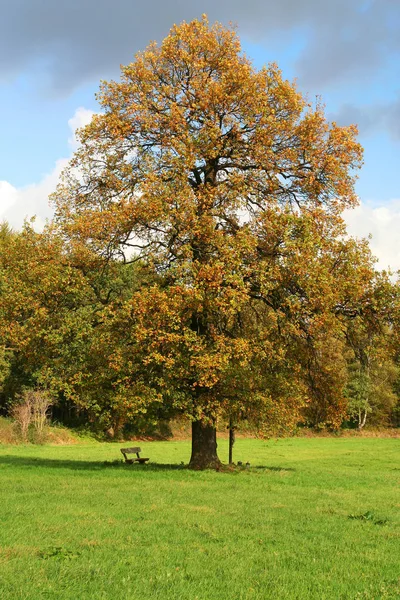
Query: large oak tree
[(228, 184)]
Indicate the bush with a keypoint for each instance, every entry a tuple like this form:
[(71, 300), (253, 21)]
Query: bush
[(30, 414), (8, 433)]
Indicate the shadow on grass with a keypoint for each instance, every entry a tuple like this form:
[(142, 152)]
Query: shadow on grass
[(84, 465), (98, 465)]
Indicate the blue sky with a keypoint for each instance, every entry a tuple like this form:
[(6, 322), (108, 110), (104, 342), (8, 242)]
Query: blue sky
[(53, 55)]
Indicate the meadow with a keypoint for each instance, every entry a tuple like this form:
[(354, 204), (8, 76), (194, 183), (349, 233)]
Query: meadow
[(309, 519)]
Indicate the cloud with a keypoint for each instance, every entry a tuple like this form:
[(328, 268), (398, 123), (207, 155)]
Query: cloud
[(18, 204), (351, 39), (8, 196), (371, 118), (383, 224), (82, 117), (83, 40)]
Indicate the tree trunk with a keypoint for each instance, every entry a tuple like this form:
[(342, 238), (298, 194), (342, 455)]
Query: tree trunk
[(204, 447), (362, 420)]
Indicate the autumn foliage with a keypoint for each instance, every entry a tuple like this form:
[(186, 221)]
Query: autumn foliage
[(226, 187), (228, 184)]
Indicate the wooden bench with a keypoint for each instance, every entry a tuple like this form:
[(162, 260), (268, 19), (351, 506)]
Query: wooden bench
[(136, 451)]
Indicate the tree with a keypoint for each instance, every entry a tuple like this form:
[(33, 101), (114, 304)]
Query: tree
[(371, 386), (49, 315), (229, 185), (371, 356), (45, 305)]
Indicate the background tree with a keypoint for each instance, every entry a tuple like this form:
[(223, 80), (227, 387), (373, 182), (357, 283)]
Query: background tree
[(230, 186), (43, 301), (373, 373), (371, 341), (50, 312)]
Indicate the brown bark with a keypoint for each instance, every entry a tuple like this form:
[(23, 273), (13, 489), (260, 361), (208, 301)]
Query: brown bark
[(204, 447)]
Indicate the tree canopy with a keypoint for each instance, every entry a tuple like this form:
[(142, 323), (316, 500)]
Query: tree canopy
[(227, 185)]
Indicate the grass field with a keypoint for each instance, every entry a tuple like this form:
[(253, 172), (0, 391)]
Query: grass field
[(311, 518)]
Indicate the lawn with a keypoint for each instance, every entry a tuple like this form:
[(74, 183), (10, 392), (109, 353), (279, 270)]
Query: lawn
[(311, 518)]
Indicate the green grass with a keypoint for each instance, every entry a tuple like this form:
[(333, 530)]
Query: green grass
[(311, 518)]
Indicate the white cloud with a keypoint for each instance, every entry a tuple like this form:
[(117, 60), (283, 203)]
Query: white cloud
[(82, 117), (18, 204), (383, 224), (8, 196)]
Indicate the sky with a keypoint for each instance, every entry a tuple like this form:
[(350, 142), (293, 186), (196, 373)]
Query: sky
[(53, 55)]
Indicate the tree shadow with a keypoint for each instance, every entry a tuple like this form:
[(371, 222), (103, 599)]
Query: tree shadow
[(101, 465), (85, 465)]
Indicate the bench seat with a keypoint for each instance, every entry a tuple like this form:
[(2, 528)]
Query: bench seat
[(139, 459)]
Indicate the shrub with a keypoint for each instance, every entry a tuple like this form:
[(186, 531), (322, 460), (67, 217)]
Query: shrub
[(32, 409)]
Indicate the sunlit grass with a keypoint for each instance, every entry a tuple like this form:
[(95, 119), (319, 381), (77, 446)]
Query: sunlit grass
[(311, 518)]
